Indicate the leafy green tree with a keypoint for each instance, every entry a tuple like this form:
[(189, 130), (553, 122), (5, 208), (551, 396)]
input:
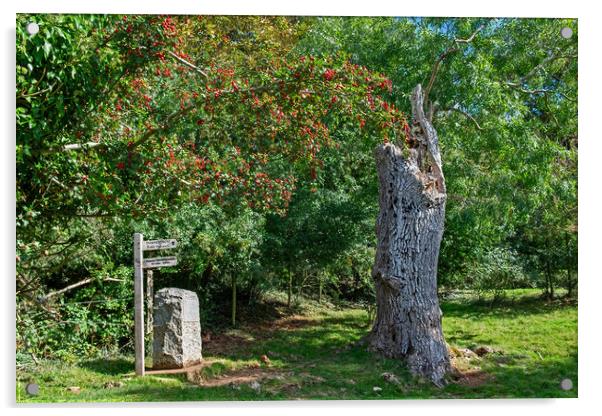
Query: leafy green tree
[(503, 94), (232, 128), (125, 120)]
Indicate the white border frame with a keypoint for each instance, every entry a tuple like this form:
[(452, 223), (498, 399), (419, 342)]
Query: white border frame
[(590, 33)]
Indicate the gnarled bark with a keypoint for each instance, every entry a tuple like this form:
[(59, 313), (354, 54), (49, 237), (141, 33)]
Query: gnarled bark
[(409, 230)]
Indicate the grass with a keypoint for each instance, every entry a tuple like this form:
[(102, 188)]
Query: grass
[(313, 356)]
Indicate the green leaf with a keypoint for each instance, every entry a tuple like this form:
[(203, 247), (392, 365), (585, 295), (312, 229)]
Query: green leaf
[(47, 47)]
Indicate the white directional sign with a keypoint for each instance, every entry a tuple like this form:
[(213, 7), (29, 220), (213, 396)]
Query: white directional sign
[(159, 262), (159, 244)]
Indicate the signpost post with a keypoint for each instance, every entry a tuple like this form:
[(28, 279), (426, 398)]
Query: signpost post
[(140, 246), (138, 304)]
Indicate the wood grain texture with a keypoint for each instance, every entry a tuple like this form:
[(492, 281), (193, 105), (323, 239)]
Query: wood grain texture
[(139, 304), (409, 229)]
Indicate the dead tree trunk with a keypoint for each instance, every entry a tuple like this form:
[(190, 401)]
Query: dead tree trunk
[(409, 228)]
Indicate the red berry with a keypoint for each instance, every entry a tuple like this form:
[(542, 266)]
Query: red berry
[(329, 74)]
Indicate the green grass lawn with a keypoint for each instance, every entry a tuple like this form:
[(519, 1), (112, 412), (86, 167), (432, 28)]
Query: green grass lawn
[(313, 356)]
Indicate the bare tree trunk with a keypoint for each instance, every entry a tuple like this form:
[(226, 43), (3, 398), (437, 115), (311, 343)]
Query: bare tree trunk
[(409, 230), (320, 284), (550, 280), (569, 279), (290, 288), (233, 315)]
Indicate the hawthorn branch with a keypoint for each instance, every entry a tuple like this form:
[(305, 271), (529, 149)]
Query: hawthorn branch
[(78, 146), (25, 284), (70, 147), (163, 127), (186, 109), (167, 123), (35, 94), (59, 183), (94, 215), (188, 64)]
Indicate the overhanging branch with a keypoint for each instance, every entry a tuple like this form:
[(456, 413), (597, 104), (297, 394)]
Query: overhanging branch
[(465, 114), (541, 65), (442, 57), (44, 299)]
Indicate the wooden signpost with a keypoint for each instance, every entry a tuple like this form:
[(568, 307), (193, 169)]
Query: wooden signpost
[(140, 263)]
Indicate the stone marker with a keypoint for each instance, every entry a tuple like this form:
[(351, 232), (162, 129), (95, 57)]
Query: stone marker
[(176, 329)]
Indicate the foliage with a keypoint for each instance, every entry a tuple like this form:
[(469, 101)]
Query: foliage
[(496, 271), (171, 131), (97, 320)]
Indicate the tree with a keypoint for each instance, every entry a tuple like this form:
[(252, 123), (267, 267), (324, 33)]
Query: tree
[(158, 112), (409, 230), (320, 227), (242, 123)]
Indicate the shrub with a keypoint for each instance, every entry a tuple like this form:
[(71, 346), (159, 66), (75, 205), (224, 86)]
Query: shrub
[(497, 270)]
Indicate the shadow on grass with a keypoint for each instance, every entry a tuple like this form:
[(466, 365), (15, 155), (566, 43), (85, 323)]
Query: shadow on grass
[(531, 378), (463, 336), (505, 308), (111, 367)]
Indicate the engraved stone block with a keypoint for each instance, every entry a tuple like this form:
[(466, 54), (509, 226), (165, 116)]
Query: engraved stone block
[(176, 329)]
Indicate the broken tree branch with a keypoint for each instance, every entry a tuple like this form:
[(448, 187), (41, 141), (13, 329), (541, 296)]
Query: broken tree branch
[(429, 136), (44, 299)]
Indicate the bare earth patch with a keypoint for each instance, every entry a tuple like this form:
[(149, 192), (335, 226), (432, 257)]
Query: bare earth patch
[(192, 368), (465, 373), (243, 376), (474, 378), (287, 323), (225, 343), (230, 342)]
